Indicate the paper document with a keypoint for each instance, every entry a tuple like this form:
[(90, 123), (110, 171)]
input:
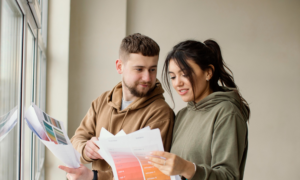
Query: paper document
[(53, 135), (126, 154)]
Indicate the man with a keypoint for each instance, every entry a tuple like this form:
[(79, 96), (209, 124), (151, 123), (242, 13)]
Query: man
[(134, 103)]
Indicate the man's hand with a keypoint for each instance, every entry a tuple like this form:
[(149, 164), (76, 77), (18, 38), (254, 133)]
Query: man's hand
[(91, 149), (81, 173)]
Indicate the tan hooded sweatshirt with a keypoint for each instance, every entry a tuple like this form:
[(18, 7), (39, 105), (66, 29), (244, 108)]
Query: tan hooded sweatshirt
[(106, 112)]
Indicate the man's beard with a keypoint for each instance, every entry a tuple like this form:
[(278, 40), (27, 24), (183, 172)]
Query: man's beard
[(135, 92)]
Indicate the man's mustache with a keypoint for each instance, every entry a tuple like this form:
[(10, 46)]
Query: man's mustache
[(145, 83)]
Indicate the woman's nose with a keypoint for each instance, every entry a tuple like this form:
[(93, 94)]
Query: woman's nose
[(179, 82)]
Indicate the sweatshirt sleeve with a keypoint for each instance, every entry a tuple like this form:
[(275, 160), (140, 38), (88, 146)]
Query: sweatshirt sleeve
[(163, 119), (229, 143), (85, 132)]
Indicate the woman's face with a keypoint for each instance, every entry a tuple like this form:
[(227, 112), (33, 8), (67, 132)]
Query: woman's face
[(183, 86)]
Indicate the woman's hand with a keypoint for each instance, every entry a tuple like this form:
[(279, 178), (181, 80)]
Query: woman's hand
[(170, 164)]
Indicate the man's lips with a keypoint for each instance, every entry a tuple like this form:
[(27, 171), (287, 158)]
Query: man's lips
[(145, 85), (183, 91)]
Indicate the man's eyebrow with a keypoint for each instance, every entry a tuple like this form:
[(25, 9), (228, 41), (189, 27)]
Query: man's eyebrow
[(144, 66)]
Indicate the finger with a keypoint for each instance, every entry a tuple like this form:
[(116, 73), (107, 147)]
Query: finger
[(94, 141), (67, 169), (156, 160), (92, 149), (92, 154), (156, 165), (96, 154), (164, 169), (161, 154), (69, 177), (93, 146)]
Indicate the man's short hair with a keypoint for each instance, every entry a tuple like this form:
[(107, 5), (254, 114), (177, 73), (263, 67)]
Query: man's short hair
[(138, 43)]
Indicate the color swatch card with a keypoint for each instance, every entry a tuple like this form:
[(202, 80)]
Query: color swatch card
[(52, 133), (126, 154)]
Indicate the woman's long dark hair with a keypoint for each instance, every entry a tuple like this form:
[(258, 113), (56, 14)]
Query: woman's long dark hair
[(205, 55)]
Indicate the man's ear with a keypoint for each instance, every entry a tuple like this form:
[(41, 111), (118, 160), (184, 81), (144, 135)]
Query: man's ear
[(210, 71), (119, 66)]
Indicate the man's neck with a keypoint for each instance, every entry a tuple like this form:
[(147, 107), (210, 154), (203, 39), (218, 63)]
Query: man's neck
[(127, 96)]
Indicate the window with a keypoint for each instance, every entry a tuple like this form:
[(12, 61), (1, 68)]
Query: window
[(28, 99), (10, 64), (23, 37)]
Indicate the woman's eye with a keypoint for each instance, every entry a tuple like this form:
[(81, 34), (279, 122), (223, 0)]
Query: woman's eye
[(172, 77), (153, 70), (184, 75), (139, 69)]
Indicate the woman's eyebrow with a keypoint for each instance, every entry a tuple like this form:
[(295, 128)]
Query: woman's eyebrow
[(173, 72)]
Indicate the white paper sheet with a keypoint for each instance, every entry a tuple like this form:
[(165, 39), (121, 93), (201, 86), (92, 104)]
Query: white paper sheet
[(126, 153), (66, 153), (52, 133), (34, 123)]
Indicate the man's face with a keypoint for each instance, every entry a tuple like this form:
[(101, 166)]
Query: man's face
[(139, 74)]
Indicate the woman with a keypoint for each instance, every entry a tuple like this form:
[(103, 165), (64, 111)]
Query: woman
[(210, 134)]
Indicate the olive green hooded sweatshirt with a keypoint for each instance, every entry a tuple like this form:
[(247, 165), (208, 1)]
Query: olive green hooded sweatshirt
[(151, 110), (213, 136)]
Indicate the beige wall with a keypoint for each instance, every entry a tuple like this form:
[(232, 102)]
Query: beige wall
[(57, 74), (97, 28), (260, 41)]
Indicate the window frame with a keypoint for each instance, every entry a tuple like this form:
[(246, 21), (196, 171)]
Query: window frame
[(18, 74), (32, 17)]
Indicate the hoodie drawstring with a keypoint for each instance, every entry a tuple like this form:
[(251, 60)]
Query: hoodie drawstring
[(109, 124), (124, 119), (110, 120)]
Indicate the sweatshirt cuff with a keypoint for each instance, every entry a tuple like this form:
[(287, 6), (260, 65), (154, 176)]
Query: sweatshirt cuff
[(84, 158), (200, 173)]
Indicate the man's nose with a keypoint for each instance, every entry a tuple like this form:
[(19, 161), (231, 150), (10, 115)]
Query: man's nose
[(146, 76)]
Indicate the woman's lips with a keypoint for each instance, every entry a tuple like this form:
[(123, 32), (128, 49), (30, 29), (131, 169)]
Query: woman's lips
[(183, 91)]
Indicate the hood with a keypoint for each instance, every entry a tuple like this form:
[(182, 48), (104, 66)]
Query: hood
[(228, 94), (114, 97)]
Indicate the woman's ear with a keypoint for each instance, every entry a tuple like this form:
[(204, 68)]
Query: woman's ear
[(210, 72)]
